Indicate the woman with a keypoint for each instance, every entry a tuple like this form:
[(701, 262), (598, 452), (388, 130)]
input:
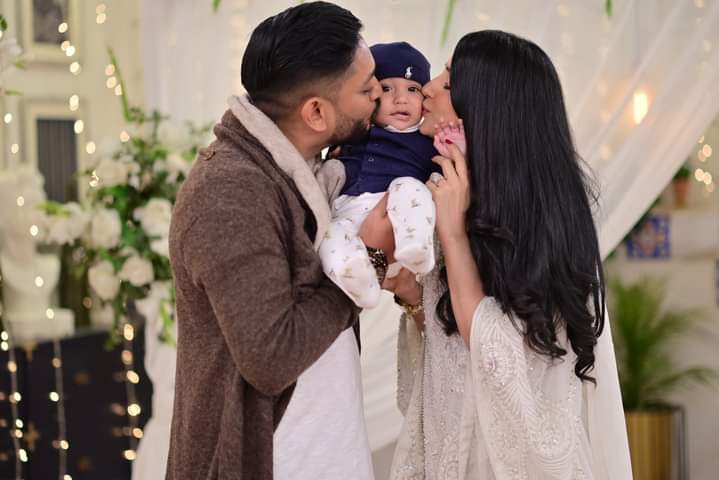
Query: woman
[(509, 368)]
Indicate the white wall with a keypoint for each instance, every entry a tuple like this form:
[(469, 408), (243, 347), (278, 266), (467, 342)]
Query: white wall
[(46, 84), (691, 283)]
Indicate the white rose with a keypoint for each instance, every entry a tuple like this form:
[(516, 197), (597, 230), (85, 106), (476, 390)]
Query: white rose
[(174, 135), (149, 306), (105, 229), (103, 280), (161, 246), (155, 217), (137, 271), (134, 182), (159, 166), (133, 168), (145, 180), (108, 146), (137, 130), (111, 172), (65, 229), (9, 51), (177, 164)]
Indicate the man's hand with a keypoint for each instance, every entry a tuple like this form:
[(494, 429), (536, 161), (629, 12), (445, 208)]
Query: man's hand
[(376, 231), (405, 286)]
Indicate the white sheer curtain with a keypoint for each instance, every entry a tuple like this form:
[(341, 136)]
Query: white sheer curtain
[(658, 54)]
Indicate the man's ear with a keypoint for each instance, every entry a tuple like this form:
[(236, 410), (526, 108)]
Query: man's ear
[(317, 113)]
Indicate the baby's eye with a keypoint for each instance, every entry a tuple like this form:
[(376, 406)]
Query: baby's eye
[(413, 89), (386, 88)]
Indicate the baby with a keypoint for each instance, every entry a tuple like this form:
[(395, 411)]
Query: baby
[(395, 158)]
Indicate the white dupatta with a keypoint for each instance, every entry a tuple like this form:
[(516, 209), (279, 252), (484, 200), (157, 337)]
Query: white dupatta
[(524, 416)]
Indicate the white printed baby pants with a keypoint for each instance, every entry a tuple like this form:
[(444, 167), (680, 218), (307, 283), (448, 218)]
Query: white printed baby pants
[(344, 257)]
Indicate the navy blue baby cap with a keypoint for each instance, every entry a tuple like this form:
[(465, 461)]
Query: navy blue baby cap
[(400, 59)]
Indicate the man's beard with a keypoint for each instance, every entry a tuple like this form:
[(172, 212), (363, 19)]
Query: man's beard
[(349, 130)]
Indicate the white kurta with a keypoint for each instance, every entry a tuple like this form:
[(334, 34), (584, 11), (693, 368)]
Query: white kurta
[(500, 410)]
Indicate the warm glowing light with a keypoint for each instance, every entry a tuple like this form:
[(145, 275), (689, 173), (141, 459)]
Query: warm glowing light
[(641, 107), (133, 409)]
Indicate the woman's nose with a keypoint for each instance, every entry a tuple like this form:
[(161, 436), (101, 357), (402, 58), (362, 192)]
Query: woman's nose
[(426, 90), (376, 90)]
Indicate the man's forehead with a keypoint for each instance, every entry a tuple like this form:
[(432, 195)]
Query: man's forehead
[(363, 63)]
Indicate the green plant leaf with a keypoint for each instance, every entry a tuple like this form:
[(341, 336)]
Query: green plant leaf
[(3, 23), (447, 21), (216, 5), (683, 378), (608, 7), (645, 334)]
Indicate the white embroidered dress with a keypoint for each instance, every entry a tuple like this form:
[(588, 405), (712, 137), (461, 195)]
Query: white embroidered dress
[(500, 411)]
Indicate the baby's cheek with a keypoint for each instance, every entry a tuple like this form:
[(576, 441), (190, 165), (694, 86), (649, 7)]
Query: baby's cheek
[(416, 112), (382, 113)]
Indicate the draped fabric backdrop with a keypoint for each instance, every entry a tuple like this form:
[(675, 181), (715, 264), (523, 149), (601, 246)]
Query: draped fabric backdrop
[(640, 88)]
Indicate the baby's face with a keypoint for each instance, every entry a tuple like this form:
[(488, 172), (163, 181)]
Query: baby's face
[(400, 103)]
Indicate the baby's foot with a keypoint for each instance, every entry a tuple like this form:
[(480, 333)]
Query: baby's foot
[(450, 133)]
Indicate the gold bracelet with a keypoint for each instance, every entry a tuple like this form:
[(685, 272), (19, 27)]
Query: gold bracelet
[(411, 310)]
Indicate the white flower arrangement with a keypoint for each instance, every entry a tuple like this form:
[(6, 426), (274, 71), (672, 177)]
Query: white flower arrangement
[(120, 234)]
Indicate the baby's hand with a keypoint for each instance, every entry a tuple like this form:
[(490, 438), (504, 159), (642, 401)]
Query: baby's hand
[(450, 133)]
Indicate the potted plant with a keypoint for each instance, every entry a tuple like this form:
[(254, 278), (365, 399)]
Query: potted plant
[(680, 185), (645, 336)]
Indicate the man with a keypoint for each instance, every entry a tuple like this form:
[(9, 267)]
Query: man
[(268, 380)]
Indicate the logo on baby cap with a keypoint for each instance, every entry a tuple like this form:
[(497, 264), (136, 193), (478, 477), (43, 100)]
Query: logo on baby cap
[(408, 73)]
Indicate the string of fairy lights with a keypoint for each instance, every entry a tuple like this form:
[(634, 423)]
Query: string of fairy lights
[(22, 439), (131, 378)]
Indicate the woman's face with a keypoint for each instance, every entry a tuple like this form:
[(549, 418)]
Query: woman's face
[(437, 105)]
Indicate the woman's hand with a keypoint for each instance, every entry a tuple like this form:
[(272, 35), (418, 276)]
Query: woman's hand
[(451, 195)]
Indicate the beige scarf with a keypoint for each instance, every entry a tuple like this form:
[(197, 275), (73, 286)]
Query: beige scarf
[(285, 154)]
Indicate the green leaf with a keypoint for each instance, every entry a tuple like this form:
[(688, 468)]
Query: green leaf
[(133, 236), (645, 334), (216, 5), (54, 208), (447, 21), (608, 7), (3, 23)]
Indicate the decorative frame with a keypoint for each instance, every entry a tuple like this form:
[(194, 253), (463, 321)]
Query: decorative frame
[(50, 52), (35, 109), (652, 240)]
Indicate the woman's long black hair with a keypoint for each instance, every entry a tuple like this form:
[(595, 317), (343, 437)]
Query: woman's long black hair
[(530, 221)]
